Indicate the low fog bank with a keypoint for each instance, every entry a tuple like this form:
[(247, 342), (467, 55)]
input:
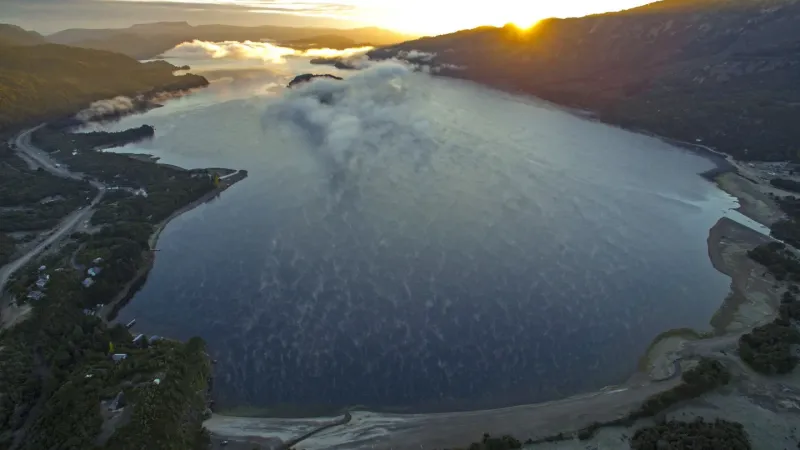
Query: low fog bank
[(349, 124), (119, 106), (246, 50)]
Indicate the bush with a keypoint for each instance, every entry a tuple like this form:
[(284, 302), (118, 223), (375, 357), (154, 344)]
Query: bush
[(706, 376), (697, 435), (767, 349)]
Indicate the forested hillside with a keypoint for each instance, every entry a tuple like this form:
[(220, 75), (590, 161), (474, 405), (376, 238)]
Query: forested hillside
[(49, 81), (721, 71), (14, 35)]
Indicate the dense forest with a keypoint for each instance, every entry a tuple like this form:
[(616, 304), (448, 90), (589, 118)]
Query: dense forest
[(42, 82), (59, 385), (699, 434), (32, 201)]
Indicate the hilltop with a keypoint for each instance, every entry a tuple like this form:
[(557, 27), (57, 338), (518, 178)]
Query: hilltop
[(14, 35), (718, 71), (48, 81)]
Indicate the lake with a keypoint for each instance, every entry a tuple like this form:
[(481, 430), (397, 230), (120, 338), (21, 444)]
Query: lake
[(411, 243)]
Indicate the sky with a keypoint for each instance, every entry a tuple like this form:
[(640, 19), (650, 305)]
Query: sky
[(426, 17)]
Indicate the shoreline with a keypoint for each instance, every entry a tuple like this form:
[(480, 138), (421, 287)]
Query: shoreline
[(111, 309), (753, 299)]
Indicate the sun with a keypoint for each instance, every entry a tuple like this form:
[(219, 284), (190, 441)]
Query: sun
[(431, 17), (525, 25)]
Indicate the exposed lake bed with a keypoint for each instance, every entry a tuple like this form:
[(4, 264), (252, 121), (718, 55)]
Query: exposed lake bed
[(325, 273)]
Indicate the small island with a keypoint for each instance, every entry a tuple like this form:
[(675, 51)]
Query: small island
[(306, 77)]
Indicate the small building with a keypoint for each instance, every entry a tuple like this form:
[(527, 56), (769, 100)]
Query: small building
[(154, 339), (94, 271), (41, 283), (139, 339), (88, 282), (42, 268), (117, 357), (131, 323), (35, 295), (97, 260), (140, 192)]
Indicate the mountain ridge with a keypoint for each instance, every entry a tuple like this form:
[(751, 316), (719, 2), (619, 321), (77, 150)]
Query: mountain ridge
[(149, 40), (718, 71)]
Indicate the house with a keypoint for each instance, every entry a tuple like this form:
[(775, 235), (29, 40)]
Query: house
[(87, 282), (41, 283), (97, 260), (94, 271), (35, 295), (131, 323), (154, 339), (42, 268), (117, 357), (139, 339)]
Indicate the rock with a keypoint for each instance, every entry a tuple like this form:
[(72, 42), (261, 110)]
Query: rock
[(306, 77)]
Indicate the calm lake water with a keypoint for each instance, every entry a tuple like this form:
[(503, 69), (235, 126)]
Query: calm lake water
[(422, 243)]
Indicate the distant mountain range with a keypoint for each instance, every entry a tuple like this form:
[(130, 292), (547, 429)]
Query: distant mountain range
[(146, 41), (14, 35), (723, 72)]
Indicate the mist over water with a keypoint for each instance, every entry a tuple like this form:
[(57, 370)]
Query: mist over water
[(423, 243)]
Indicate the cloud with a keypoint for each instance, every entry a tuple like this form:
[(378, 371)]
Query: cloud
[(121, 106), (249, 50), (348, 124), (106, 108), (416, 56)]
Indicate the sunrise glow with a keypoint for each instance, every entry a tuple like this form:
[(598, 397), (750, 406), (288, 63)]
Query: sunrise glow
[(422, 16)]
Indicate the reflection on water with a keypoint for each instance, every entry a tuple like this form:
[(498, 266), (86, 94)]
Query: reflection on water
[(483, 250)]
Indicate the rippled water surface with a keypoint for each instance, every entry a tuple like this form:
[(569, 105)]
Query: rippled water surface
[(423, 243)]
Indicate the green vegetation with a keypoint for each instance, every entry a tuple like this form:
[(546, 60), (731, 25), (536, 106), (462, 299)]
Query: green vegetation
[(788, 185), (169, 415), (697, 435), (767, 349), (708, 375), (779, 260), (50, 81), (167, 188), (490, 443), (8, 246), (57, 369), (32, 200), (57, 379)]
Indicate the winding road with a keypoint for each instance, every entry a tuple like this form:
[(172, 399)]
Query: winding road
[(22, 145)]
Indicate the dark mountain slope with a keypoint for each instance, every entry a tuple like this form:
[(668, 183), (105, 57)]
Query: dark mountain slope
[(48, 81), (723, 71), (14, 35)]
